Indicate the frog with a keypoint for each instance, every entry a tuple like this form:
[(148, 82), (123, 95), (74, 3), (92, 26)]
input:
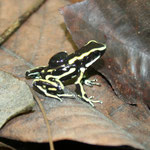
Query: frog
[(50, 80)]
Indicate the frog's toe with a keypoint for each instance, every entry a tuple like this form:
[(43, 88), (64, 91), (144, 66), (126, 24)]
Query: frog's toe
[(94, 101), (91, 101), (91, 97), (66, 95), (58, 98), (91, 82)]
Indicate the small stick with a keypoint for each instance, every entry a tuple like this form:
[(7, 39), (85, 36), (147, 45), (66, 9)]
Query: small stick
[(3, 145), (21, 19), (51, 145)]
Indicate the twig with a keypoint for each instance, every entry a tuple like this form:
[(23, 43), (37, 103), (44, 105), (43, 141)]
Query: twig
[(10, 30), (45, 119), (6, 146)]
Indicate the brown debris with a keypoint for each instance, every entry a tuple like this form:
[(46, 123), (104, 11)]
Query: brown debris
[(124, 27), (112, 123), (10, 30)]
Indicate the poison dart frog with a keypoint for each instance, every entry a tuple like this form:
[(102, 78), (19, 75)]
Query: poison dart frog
[(49, 80)]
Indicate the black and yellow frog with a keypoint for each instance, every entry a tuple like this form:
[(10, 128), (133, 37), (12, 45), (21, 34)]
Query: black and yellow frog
[(49, 80)]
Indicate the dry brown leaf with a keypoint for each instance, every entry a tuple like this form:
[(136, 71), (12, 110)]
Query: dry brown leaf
[(38, 39), (71, 119), (15, 97), (124, 26), (110, 123)]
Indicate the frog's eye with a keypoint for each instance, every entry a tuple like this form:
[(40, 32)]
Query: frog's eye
[(57, 59)]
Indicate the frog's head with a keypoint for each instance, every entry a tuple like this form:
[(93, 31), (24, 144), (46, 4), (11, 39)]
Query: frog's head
[(92, 52), (95, 47)]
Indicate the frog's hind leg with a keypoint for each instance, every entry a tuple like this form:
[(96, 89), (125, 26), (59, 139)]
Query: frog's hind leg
[(62, 94), (47, 88), (66, 95)]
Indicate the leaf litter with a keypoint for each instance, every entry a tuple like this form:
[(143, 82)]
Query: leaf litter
[(71, 119)]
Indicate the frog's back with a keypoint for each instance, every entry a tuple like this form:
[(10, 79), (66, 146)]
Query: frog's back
[(87, 54), (58, 60)]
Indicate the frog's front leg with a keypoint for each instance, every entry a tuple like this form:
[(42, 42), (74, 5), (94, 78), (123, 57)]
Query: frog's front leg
[(50, 88), (80, 89)]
